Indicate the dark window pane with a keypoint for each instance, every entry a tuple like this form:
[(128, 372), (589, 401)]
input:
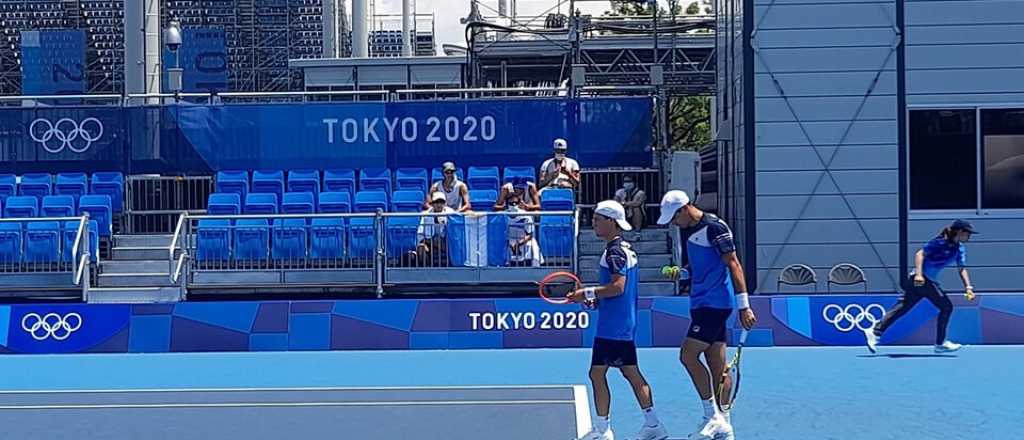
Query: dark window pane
[(943, 159), (1002, 152)]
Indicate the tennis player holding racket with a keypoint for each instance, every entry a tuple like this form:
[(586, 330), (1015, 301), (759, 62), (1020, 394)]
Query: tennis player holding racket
[(715, 277), (616, 324)]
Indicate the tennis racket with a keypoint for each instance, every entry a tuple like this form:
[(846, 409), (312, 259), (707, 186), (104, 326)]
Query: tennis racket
[(729, 383), (556, 286)]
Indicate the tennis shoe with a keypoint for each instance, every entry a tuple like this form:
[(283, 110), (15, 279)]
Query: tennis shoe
[(716, 427), (596, 434), (872, 339), (947, 347), (657, 432)]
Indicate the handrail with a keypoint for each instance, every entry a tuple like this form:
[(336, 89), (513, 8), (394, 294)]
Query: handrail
[(174, 243), (49, 97), (480, 90), (176, 274), (83, 227), (82, 265)]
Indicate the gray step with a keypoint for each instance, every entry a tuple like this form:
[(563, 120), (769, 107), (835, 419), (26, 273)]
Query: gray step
[(154, 279), (134, 295), (139, 253), (142, 240), (658, 289), (642, 248), (647, 261), (646, 274), (134, 266)]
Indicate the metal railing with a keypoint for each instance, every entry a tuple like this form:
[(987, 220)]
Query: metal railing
[(154, 203), (38, 246), (601, 184)]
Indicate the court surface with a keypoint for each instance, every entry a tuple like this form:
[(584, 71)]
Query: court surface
[(787, 393)]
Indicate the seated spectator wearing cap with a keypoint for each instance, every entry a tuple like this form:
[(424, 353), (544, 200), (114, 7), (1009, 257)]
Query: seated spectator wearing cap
[(560, 171), (456, 192), (633, 200), (432, 245), (521, 239), (524, 190)]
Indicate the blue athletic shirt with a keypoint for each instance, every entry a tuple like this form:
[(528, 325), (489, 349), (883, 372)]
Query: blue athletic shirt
[(710, 280), (939, 253), (616, 317)]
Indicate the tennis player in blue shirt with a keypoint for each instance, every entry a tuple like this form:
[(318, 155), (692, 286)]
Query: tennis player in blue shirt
[(616, 299), (717, 285), (929, 261)]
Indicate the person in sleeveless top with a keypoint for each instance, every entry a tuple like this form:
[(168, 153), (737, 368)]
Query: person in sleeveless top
[(456, 192)]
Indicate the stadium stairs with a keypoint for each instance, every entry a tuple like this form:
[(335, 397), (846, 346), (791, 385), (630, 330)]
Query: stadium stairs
[(652, 248), (137, 271)]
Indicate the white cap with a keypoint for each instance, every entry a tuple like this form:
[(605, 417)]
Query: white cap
[(561, 144), (438, 195), (671, 203), (614, 211)]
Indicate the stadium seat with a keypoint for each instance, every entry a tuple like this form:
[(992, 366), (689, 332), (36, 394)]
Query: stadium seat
[(260, 203), (71, 184), (112, 184), (98, 207), (42, 242), (335, 202), (71, 232), (327, 238), (362, 242), (251, 239), (21, 207), (556, 236), (401, 235), (289, 238), (36, 185), (213, 240), (340, 180), (8, 186), (58, 206), (304, 181), (10, 242), (437, 174), (483, 178), (268, 182), (557, 199), (512, 172), (375, 179), (298, 203), (483, 199), (407, 201), (411, 179), (224, 204), (236, 181), (371, 201)]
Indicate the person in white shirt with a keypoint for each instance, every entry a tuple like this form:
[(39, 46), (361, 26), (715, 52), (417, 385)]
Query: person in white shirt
[(431, 232), (524, 250), (633, 199), (529, 197), (560, 171)]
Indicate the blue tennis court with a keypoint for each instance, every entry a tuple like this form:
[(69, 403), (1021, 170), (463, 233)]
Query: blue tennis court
[(848, 394)]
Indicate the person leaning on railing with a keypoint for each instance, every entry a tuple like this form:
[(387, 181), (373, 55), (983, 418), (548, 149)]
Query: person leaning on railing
[(523, 247), (560, 171), (430, 234)]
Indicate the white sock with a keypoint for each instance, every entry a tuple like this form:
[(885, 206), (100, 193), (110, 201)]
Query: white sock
[(602, 423), (709, 407), (728, 417), (650, 417)]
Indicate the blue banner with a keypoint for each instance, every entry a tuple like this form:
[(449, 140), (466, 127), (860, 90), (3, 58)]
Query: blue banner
[(203, 57), (53, 62), (64, 328), (48, 139)]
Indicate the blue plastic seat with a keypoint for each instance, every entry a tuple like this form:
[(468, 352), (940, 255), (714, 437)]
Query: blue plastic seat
[(375, 179), (510, 173), (233, 181), (304, 181), (335, 202), (483, 178), (98, 207), (362, 241), (213, 240), (261, 203), (340, 180), (327, 238), (557, 199), (71, 184), (407, 201), (42, 242), (8, 186), (483, 199), (21, 207), (268, 182), (10, 242), (58, 206), (371, 201), (224, 204), (556, 234), (110, 183), (71, 232), (36, 185), (252, 239), (437, 174), (290, 237), (411, 179), (298, 203), (401, 235)]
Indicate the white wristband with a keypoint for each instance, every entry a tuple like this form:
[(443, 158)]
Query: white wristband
[(969, 287), (742, 301), (589, 293)]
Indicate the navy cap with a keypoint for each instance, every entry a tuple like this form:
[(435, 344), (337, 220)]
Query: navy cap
[(963, 225)]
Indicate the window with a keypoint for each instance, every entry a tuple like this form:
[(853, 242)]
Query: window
[(943, 159), (1002, 150)]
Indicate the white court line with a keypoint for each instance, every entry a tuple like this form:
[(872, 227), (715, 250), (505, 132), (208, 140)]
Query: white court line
[(224, 390), (280, 404), (583, 421)]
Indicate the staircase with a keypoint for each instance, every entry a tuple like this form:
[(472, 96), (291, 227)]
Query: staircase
[(652, 248), (136, 272)]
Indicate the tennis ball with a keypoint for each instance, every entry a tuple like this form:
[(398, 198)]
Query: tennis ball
[(669, 271)]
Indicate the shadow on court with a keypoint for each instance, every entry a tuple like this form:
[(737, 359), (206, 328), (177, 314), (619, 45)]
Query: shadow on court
[(907, 355)]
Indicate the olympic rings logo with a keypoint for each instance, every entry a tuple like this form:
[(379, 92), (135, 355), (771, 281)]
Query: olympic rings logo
[(52, 325), (65, 133), (853, 315)]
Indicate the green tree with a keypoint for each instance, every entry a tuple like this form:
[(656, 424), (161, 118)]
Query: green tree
[(693, 9)]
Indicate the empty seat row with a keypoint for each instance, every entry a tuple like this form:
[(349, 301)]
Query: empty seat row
[(43, 241), (40, 185), (98, 206)]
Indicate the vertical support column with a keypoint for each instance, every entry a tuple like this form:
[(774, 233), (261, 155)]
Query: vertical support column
[(331, 31), (152, 45), (134, 48), (360, 33), (407, 37)]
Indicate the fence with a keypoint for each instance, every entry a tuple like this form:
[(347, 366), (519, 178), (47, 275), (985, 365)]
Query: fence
[(156, 202), (597, 185), (371, 249), (54, 253)]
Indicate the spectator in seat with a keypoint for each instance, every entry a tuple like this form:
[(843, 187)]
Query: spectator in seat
[(560, 171), (633, 199), (430, 235), (455, 191), (523, 247), (522, 188)]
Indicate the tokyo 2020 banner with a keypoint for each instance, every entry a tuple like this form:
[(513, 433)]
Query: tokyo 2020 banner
[(465, 324)]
